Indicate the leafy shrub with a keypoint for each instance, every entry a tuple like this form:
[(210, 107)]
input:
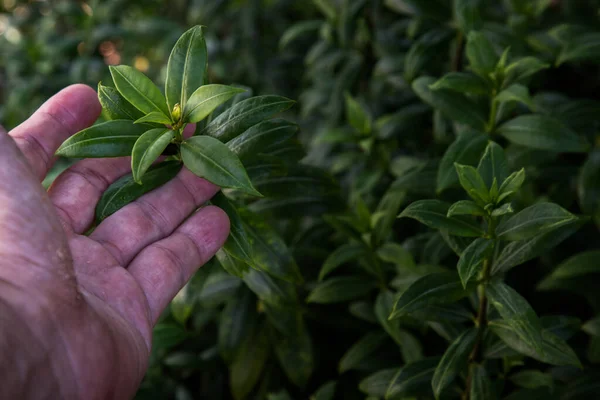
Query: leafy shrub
[(475, 122)]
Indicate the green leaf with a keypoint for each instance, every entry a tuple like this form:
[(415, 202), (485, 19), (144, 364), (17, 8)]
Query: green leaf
[(108, 139), (187, 67), (139, 90), (362, 310), (154, 117), (147, 149), (517, 253), (579, 265), (453, 105), (295, 355), (465, 150), (337, 290), (482, 387), (592, 327), (532, 379), (377, 383), (466, 13), (413, 379), (493, 164), (357, 115), (396, 254), (425, 51), (433, 214), (232, 265), (272, 291), (384, 305), (454, 361), (300, 181), (298, 30), (245, 114), (182, 305), (217, 289), (236, 323), (361, 350), (326, 8), (456, 243), (261, 136), (524, 68), (473, 184), (115, 106), (481, 54), (511, 184), (582, 48), (534, 220), (471, 260), (544, 133), (436, 288), (325, 392), (281, 395), (168, 335), (435, 9), (555, 350), (465, 207), (125, 190), (348, 252), (237, 244), (410, 346), (517, 313), (462, 82), (212, 160), (204, 100), (420, 180), (385, 215), (588, 184), (503, 210), (516, 92), (268, 250), (248, 364)]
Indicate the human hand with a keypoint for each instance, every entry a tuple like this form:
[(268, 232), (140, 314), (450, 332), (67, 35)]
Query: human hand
[(76, 312)]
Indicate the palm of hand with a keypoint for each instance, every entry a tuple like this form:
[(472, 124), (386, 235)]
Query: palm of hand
[(82, 308)]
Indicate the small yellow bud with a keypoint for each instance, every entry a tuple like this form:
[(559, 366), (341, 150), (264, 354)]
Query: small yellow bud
[(176, 113)]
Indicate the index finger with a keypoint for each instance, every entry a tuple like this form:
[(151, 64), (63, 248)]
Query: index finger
[(67, 112)]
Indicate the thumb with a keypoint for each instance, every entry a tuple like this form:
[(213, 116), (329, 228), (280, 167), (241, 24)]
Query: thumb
[(30, 232)]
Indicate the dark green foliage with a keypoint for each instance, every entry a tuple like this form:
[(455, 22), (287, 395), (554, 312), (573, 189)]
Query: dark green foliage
[(476, 121)]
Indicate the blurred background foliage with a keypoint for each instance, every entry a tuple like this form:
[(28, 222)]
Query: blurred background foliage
[(221, 338)]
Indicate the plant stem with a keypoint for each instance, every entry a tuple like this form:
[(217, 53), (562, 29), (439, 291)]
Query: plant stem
[(457, 61), (491, 125), (481, 321)]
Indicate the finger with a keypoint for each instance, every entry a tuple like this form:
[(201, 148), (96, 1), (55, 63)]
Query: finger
[(164, 267), (77, 190), (69, 111), (189, 130), (153, 216)]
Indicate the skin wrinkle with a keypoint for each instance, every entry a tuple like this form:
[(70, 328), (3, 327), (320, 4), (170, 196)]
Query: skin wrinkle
[(31, 143), (74, 191), (155, 216)]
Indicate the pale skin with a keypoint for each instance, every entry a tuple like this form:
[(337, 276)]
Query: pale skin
[(76, 311)]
